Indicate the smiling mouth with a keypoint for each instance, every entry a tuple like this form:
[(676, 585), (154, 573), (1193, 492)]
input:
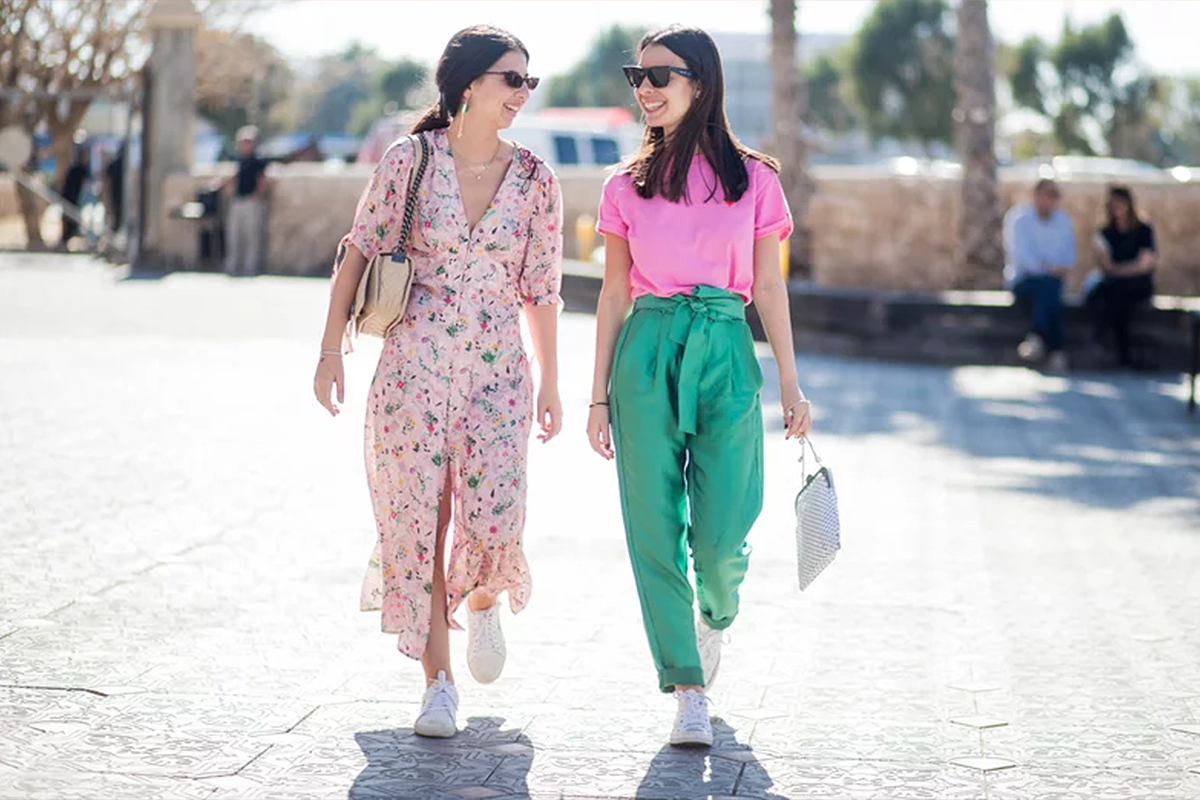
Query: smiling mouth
[(513, 109), (650, 108)]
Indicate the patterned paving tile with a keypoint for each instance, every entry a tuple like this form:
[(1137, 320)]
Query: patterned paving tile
[(136, 753), (42, 785), (1031, 535), (624, 731), (863, 740), (664, 776), (836, 778)]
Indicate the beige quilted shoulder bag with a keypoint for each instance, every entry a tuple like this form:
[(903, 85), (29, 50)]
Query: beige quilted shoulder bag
[(387, 279)]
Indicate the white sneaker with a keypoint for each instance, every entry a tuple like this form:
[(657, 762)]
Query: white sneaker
[(708, 642), (438, 708), (1033, 348), (485, 644), (692, 725)]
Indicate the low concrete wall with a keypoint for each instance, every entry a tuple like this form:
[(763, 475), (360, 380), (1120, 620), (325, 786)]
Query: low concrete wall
[(311, 207), (870, 230), (9, 206), (897, 233), (309, 210)]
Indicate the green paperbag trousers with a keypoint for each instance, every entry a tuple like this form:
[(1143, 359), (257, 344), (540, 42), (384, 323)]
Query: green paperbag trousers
[(687, 428)]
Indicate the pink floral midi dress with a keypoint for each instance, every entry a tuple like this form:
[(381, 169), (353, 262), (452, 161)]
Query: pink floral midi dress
[(453, 392)]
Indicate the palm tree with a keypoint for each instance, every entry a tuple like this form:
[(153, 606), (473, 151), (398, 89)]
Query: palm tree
[(981, 251), (788, 103)]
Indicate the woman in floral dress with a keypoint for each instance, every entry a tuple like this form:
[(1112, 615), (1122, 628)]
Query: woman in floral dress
[(450, 408)]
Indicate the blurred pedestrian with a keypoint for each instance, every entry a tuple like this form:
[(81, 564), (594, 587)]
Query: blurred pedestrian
[(692, 224), (113, 189), (450, 410), (1039, 243), (73, 185), (245, 222), (1126, 255)]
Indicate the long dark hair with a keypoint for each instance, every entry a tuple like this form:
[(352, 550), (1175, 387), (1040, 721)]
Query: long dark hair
[(1124, 194), (469, 53), (661, 165)]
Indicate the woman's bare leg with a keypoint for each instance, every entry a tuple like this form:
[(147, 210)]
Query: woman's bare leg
[(437, 649)]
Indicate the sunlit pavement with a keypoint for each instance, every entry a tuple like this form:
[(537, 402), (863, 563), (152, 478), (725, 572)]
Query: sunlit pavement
[(1015, 613)]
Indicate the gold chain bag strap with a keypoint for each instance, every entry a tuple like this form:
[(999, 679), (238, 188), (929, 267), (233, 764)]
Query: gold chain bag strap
[(387, 279)]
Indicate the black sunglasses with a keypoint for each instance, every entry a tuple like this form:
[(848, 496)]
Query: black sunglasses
[(514, 79), (659, 76)]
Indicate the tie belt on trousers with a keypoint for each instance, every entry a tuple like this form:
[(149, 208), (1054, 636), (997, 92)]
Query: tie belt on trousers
[(692, 329)]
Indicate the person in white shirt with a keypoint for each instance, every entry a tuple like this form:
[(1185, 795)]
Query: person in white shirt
[(1039, 242)]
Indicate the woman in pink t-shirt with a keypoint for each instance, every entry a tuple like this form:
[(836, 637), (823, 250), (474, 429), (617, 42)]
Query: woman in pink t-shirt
[(692, 225)]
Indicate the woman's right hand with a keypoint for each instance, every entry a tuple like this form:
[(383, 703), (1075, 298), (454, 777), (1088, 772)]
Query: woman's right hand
[(600, 431), (329, 374)]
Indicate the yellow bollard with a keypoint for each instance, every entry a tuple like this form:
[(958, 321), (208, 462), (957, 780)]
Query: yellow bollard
[(784, 258), (585, 236)]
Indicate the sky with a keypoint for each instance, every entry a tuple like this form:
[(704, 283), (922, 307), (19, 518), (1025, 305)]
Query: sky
[(557, 32)]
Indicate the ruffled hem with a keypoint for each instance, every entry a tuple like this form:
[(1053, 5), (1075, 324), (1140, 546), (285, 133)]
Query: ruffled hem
[(518, 588)]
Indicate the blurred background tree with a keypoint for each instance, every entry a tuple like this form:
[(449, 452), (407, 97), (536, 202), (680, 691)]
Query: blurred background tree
[(1090, 89), (240, 79), (597, 80), (902, 64)]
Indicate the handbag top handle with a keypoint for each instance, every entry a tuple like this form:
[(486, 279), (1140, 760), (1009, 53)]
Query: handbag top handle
[(410, 200), (806, 445)]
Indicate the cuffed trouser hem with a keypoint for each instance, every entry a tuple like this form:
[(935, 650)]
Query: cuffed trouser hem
[(718, 624), (668, 679)]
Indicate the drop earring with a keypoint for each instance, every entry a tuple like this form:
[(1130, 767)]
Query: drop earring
[(462, 117)]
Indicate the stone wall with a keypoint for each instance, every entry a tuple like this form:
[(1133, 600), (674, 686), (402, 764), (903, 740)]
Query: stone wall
[(9, 207), (312, 206), (899, 233), (870, 230)]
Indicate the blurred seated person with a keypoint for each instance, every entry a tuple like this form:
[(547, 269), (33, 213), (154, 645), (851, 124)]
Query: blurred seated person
[(1039, 245), (1126, 255)]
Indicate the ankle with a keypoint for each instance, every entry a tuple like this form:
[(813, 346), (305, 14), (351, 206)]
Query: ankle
[(682, 689), (480, 601), (430, 680)]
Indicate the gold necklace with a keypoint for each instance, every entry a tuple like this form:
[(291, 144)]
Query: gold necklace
[(478, 169)]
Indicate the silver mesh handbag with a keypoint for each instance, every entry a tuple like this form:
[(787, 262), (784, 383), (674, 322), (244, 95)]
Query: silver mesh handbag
[(818, 531)]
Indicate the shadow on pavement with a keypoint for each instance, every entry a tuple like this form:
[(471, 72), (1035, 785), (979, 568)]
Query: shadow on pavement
[(729, 767), (404, 765), (1097, 439)]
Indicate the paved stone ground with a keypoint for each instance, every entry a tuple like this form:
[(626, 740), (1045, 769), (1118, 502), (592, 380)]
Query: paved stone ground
[(182, 532)]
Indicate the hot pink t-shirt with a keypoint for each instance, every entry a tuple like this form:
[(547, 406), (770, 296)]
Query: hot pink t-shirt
[(679, 246)]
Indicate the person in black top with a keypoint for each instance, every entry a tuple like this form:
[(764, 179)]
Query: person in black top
[(72, 190), (244, 224), (1126, 254), (114, 189)]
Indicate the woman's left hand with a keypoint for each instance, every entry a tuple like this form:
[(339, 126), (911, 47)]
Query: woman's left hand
[(797, 412), (549, 413)]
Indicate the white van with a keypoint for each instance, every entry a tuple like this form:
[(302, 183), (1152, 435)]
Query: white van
[(563, 143), (559, 142)]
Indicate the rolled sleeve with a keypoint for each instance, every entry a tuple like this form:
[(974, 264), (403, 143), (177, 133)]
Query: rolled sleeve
[(771, 213), (541, 273), (376, 226), (609, 218)]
